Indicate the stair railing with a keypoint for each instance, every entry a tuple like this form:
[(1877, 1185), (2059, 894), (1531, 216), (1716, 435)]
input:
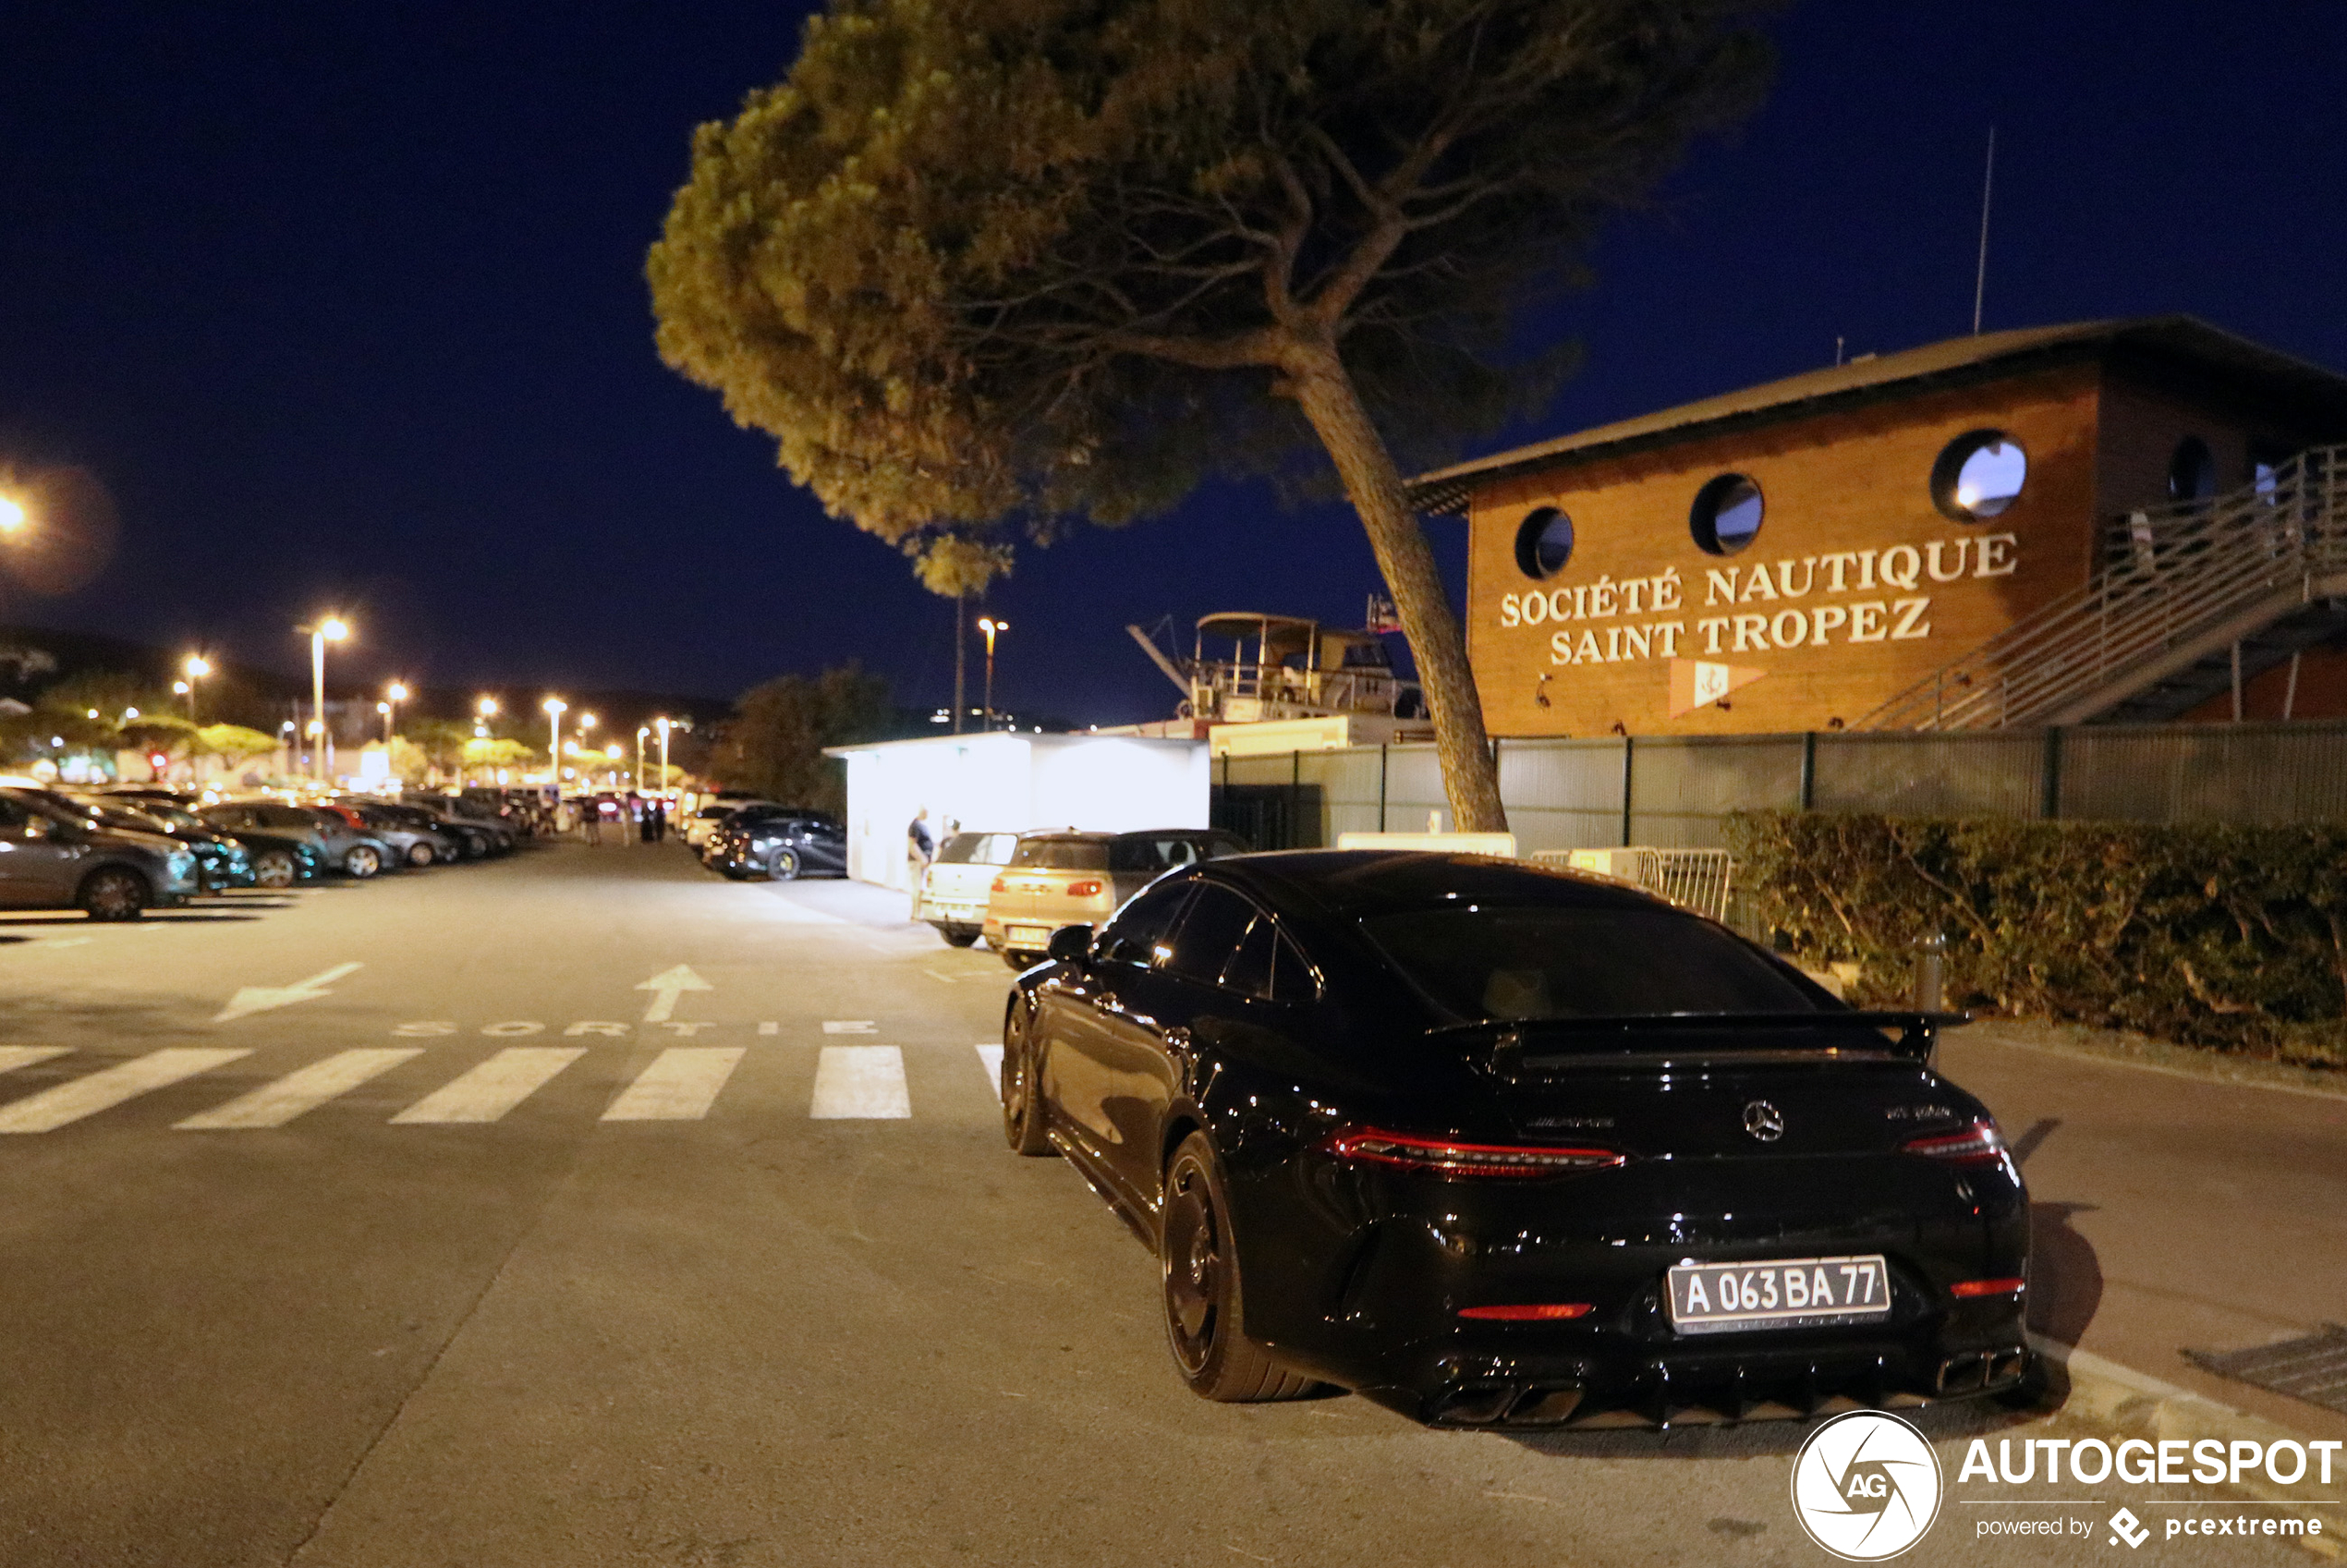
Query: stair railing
[(2171, 574)]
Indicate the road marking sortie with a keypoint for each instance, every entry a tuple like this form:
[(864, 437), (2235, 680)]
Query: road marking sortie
[(494, 1087), (680, 1086), (991, 1055), (854, 1083), (305, 1088), (53, 1107)]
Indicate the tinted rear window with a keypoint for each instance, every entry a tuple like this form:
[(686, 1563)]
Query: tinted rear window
[(1062, 854), (1162, 852), (1554, 963), (976, 849)]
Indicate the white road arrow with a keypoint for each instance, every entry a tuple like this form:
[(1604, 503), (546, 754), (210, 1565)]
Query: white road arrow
[(667, 987), (260, 999)]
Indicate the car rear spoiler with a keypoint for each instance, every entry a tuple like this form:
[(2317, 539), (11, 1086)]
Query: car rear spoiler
[(1531, 1047)]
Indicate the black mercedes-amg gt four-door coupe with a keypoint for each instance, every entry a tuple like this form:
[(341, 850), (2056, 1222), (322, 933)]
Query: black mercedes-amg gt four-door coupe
[(1494, 1145)]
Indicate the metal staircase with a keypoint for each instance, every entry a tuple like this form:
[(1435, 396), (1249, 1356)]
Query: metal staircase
[(2194, 597)]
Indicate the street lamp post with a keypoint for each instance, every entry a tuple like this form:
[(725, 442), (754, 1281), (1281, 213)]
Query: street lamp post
[(643, 732), (197, 667), (555, 707), (393, 694), (990, 625), (332, 629), (662, 724)]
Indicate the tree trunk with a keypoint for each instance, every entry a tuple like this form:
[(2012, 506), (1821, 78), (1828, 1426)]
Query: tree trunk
[(1318, 381)]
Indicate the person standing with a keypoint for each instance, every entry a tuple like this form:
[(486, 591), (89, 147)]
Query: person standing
[(591, 819), (919, 849), (660, 820)]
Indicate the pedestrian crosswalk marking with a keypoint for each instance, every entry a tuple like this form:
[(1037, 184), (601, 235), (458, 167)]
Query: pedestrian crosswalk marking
[(992, 1056), (14, 1056), (849, 1027), (680, 1086), (53, 1107), (494, 1087), (856, 1083), (274, 1104)]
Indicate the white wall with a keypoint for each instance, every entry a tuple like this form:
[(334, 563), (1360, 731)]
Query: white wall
[(1013, 783)]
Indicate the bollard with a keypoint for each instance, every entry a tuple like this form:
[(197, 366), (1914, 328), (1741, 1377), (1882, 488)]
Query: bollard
[(1931, 974)]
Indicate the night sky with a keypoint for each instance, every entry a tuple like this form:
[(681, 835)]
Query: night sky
[(346, 305)]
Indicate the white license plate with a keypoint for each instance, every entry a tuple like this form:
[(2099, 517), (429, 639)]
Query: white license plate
[(1709, 1298), (1029, 936)]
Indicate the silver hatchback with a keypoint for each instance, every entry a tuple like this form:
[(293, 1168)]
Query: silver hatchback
[(53, 858)]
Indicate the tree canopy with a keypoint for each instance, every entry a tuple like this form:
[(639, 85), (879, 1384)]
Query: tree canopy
[(774, 741), (985, 266)]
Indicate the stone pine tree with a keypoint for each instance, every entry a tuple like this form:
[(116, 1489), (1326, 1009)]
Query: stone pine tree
[(993, 267)]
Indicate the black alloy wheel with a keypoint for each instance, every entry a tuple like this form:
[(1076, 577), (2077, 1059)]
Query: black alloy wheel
[(420, 854), (783, 866), (275, 869), (363, 861), (1023, 1116), (111, 892), (1204, 1317)]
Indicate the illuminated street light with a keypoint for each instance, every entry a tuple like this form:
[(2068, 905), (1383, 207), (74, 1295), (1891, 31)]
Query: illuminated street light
[(990, 625), (197, 667), (13, 516), (333, 629), (661, 723), (643, 733), (393, 694), (553, 707)]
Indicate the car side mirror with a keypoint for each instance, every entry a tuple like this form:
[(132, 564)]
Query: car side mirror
[(1070, 944)]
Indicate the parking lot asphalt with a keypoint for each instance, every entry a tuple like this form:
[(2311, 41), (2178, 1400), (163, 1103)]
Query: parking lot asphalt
[(585, 1208)]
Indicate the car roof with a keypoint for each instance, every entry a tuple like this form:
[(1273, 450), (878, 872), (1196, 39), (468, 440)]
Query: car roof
[(1360, 883)]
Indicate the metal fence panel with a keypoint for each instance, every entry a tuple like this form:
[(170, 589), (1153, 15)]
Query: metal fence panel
[(2269, 773), (1994, 773), (1561, 793), (1344, 792), (1414, 789), (1681, 788)]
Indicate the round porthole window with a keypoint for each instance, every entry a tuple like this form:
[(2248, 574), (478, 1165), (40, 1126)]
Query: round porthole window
[(1978, 475), (1726, 515), (1543, 543), (2192, 470)]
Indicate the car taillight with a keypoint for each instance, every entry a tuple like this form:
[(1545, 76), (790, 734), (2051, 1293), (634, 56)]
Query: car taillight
[(1449, 1157), (1980, 1144), (1549, 1312), (1000, 884), (1987, 1287), (1083, 890)]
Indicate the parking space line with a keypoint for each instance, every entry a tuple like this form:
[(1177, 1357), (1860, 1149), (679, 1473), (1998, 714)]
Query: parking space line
[(991, 1055), (680, 1084), (494, 1087), (14, 1056), (306, 1088), (53, 1107), (861, 1083)]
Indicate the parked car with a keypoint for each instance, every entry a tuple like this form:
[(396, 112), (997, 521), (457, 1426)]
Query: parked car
[(481, 816), (221, 862), (59, 857), (414, 839), (780, 842), (1502, 1147), (954, 890), (703, 824), (1064, 879), (343, 847)]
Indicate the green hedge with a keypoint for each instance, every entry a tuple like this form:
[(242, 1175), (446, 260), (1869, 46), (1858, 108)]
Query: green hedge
[(2221, 936)]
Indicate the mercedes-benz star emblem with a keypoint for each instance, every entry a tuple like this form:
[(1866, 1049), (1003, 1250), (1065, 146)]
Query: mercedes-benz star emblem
[(1764, 1121)]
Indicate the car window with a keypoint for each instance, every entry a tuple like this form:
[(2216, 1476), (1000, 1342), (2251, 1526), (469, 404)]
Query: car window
[(1293, 977), (13, 815), (1062, 854), (1210, 933), (1249, 971), (1566, 963), (283, 817), (1137, 933)]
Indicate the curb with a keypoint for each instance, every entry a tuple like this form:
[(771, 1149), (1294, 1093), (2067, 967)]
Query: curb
[(2104, 1392)]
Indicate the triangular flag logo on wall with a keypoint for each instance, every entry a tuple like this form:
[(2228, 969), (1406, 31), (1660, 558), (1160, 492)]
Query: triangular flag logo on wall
[(1697, 683)]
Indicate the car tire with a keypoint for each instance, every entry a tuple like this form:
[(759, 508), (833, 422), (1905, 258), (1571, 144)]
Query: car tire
[(363, 861), (958, 936), (1018, 961), (783, 866), (113, 892), (420, 855), (1024, 1117), (275, 869), (1205, 1315)]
